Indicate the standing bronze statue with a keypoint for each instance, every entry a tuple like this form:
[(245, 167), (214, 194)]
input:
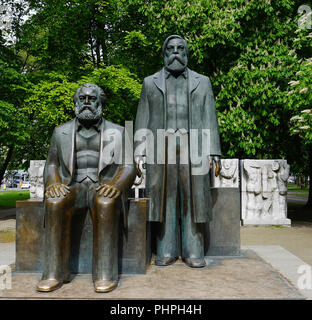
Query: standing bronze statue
[(80, 175), (178, 100)]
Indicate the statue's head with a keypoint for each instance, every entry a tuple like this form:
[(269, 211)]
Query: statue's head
[(175, 53), (275, 165), (89, 100)]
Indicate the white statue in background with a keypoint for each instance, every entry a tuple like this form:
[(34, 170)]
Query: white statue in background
[(282, 177), (264, 192), (36, 178), (253, 188)]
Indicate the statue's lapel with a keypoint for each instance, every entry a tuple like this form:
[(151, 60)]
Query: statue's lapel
[(159, 80), (101, 164), (68, 146), (105, 139), (193, 80)]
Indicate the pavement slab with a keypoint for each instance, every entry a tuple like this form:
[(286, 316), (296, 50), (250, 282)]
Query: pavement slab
[(284, 262)]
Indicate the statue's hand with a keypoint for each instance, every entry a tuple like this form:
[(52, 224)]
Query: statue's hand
[(57, 190), (139, 161), (108, 190), (217, 161)]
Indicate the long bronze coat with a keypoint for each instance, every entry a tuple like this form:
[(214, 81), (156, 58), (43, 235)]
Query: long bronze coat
[(151, 114), (60, 164)]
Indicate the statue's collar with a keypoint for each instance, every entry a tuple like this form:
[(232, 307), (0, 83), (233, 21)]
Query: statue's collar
[(169, 74), (96, 126)]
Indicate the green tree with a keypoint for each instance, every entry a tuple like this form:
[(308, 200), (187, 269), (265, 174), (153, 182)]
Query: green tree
[(300, 100), (247, 48), (12, 120)]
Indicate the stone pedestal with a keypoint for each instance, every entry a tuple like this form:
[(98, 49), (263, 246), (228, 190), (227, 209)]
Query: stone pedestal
[(134, 242), (223, 232)]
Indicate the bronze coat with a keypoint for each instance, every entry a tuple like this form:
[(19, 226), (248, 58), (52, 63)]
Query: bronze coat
[(151, 114), (60, 164)]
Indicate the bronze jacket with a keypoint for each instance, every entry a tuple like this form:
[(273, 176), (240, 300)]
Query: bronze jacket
[(60, 164), (151, 114)]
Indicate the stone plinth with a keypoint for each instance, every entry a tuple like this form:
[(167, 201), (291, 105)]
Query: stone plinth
[(223, 232), (134, 241)]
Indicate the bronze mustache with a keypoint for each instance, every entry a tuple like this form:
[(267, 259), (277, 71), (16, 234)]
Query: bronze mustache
[(175, 57), (87, 108)]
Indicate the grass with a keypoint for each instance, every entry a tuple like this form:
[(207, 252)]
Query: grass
[(276, 227), (7, 236), (293, 188), (8, 198)]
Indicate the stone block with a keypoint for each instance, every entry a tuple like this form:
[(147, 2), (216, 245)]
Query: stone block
[(134, 241), (223, 231)]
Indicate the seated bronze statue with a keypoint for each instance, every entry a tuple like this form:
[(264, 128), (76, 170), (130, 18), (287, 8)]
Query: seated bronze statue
[(80, 174)]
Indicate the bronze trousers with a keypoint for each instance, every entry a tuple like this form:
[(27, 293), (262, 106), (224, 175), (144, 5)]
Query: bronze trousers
[(105, 213), (178, 233)]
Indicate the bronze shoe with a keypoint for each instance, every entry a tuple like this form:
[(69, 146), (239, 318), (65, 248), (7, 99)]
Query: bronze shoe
[(48, 285), (195, 262), (166, 261), (104, 285)]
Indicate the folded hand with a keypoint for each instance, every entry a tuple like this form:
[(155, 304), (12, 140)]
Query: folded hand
[(56, 190), (108, 190)]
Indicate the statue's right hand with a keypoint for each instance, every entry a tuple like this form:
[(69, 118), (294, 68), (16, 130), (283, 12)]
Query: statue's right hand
[(56, 190)]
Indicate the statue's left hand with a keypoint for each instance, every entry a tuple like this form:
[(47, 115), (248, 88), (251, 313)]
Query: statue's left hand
[(217, 161), (108, 190)]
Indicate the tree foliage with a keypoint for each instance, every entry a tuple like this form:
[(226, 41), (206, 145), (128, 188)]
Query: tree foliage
[(12, 121), (252, 51)]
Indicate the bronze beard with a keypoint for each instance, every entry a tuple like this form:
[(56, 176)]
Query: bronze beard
[(86, 114)]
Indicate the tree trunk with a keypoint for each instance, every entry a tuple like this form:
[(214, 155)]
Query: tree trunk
[(309, 203), (92, 50), (98, 53), (298, 181), (6, 162)]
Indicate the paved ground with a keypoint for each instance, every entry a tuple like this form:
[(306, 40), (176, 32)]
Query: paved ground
[(237, 278), (289, 266), (7, 213), (8, 224)]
